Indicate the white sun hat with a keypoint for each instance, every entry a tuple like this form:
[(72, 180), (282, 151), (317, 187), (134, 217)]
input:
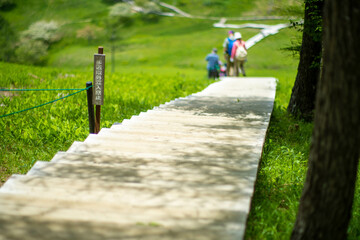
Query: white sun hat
[(237, 35)]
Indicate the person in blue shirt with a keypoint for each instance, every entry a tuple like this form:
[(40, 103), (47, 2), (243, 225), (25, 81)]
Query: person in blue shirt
[(213, 65), (228, 44)]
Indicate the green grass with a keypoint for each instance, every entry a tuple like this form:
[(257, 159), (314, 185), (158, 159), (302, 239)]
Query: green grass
[(285, 154), (155, 62), (231, 8), (283, 165), (280, 179), (216, 8), (174, 43), (354, 228), (62, 11), (38, 134)]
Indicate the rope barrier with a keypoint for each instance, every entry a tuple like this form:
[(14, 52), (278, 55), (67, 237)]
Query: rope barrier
[(83, 89), (29, 90)]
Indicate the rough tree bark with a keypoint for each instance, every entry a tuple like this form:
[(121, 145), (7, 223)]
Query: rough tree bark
[(302, 101), (326, 202)]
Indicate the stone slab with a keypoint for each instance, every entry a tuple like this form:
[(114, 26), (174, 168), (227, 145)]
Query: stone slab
[(134, 160), (33, 208), (198, 174), (153, 194)]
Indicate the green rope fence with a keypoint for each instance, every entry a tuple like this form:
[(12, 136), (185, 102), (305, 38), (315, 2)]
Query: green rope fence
[(27, 109), (31, 90)]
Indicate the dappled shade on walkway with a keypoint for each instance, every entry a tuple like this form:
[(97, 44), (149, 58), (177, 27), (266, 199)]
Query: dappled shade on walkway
[(184, 170)]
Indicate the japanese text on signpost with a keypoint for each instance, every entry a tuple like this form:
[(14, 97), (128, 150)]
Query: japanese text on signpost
[(99, 69)]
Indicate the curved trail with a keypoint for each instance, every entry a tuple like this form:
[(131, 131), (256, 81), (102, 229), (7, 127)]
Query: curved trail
[(266, 29), (187, 15)]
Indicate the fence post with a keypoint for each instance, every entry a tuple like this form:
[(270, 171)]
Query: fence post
[(89, 92), (97, 119)]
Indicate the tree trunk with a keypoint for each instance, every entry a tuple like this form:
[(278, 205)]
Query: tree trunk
[(326, 202), (302, 102)]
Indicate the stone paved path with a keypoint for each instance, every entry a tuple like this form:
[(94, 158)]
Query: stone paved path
[(184, 170)]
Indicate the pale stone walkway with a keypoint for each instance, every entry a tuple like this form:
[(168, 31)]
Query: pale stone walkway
[(184, 170)]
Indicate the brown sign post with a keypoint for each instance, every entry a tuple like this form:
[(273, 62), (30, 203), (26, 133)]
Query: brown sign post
[(98, 88)]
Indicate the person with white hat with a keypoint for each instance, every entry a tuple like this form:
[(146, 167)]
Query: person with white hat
[(239, 54)]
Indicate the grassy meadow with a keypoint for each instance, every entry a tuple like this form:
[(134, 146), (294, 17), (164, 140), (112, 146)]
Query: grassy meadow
[(39, 133), (156, 60)]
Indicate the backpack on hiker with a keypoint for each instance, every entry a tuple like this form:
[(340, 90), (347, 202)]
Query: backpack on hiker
[(241, 53)]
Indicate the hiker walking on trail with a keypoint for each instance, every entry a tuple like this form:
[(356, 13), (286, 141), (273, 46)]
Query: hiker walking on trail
[(213, 65), (228, 44), (239, 55)]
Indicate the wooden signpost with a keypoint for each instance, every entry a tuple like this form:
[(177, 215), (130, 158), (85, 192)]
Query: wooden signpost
[(98, 88)]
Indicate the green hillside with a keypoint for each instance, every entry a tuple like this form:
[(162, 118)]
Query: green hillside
[(231, 8), (26, 12), (150, 40), (149, 52), (157, 58)]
